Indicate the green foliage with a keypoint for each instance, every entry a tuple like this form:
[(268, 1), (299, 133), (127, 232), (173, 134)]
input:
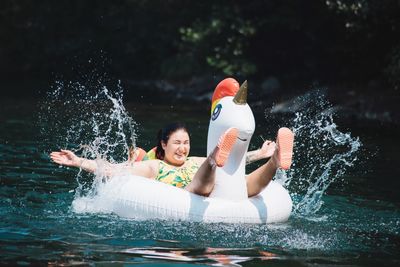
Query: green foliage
[(372, 28), (222, 38), (295, 41)]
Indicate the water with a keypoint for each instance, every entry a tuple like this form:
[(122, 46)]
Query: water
[(346, 207)]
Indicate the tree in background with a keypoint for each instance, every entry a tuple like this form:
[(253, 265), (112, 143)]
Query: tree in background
[(299, 42)]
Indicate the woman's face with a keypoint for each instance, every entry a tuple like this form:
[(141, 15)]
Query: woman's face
[(177, 148)]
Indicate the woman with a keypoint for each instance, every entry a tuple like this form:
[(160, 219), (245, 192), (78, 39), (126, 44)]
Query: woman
[(195, 174)]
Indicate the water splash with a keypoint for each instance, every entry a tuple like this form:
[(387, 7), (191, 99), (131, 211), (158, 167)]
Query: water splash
[(96, 122), (322, 152)]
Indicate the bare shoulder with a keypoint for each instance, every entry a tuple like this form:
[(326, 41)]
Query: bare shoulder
[(198, 160)]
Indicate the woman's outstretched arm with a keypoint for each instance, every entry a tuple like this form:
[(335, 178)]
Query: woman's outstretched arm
[(69, 159)]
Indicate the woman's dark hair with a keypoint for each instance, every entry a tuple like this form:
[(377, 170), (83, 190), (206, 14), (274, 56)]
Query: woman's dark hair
[(164, 134)]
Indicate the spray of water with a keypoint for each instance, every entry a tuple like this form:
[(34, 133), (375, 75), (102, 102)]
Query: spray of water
[(96, 122), (322, 152)]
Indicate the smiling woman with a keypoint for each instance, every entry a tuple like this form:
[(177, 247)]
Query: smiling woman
[(173, 149), (173, 144)]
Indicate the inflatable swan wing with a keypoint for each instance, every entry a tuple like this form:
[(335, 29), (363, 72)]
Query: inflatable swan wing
[(141, 198)]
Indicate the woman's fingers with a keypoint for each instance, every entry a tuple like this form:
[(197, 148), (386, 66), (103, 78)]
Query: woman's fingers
[(57, 158), (62, 158), (65, 157), (58, 161), (268, 148)]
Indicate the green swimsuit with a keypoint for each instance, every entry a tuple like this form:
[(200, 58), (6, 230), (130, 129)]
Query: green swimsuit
[(177, 176)]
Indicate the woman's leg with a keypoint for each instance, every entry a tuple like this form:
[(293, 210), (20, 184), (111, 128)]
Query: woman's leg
[(204, 179), (282, 158)]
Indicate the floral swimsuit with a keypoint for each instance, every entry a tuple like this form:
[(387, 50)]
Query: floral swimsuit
[(177, 176)]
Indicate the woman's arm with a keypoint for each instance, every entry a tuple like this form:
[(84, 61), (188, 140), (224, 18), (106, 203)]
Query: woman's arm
[(252, 156), (68, 158), (266, 151)]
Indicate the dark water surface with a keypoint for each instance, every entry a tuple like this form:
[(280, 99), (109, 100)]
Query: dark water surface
[(355, 221)]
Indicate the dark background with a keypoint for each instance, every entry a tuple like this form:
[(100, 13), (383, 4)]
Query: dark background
[(284, 48)]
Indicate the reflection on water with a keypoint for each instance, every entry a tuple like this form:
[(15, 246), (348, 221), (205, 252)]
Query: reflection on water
[(211, 256), (352, 228)]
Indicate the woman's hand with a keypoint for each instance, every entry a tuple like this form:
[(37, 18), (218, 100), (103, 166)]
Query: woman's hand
[(267, 149), (66, 158)]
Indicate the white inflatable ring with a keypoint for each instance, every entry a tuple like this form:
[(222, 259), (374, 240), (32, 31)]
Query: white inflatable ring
[(141, 198)]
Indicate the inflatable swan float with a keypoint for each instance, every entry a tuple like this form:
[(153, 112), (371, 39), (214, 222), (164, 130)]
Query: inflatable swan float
[(142, 198)]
